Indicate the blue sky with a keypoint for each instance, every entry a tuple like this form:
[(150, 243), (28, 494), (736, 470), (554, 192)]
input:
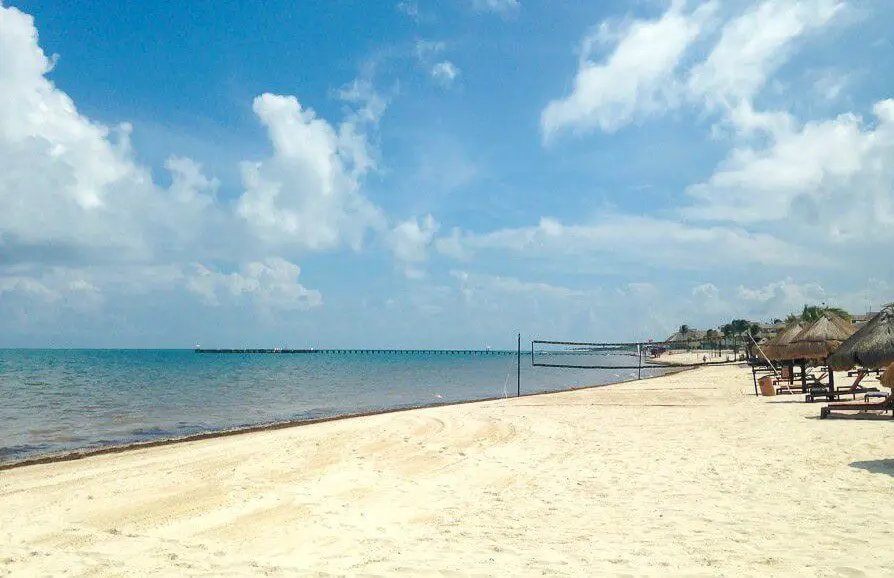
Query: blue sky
[(438, 174)]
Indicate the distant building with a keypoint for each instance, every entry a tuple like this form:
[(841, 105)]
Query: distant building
[(691, 335), (859, 320), (769, 330)]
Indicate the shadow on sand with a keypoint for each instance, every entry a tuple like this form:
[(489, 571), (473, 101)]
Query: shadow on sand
[(876, 466)]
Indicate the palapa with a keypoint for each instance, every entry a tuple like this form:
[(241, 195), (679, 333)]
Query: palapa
[(779, 347), (887, 378), (821, 338), (871, 347)]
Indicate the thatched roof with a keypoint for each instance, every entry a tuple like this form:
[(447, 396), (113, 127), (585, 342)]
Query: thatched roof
[(872, 346), (778, 348), (821, 338), (887, 378), (691, 335)]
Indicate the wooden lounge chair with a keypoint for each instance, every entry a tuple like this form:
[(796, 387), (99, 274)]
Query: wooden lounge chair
[(875, 372), (821, 391), (787, 383), (885, 405)]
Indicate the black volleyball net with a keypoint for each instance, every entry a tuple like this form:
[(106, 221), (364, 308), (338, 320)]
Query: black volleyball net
[(635, 355)]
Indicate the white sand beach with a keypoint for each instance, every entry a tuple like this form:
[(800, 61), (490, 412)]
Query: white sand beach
[(687, 474)]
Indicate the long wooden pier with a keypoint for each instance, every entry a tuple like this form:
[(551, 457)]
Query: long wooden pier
[(365, 351)]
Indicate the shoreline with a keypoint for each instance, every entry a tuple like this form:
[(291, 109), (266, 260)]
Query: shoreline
[(74, 455)]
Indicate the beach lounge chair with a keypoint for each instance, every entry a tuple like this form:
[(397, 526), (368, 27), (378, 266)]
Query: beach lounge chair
[(787, 383), (885, 405), (821, 391)]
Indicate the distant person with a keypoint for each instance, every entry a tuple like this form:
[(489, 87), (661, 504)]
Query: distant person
[(704, 359)]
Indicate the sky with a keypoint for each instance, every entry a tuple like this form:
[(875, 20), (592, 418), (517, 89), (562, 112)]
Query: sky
[(338, 173)]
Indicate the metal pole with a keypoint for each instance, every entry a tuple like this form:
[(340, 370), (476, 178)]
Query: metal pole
[(518, 368), (639, 371)]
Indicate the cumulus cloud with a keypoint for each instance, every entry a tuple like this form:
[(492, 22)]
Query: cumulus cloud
[(69, 187), (644, 73), (271, 284), (307, 192), (784, 293), (409, 240), (51, 286), (79, 215), (71, 190), (753, 46), (835, 176), (638, 78)]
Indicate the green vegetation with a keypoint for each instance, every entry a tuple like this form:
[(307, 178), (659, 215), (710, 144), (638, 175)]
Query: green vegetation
[(812, 313), (739, 327)]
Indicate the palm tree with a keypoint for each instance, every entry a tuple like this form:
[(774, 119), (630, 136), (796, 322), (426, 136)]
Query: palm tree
[(812, 313), (684, 329)]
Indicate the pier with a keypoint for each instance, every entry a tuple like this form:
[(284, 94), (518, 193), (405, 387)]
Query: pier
[(469, 352)]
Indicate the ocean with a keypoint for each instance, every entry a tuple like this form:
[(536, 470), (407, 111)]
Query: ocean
[(57, 401)]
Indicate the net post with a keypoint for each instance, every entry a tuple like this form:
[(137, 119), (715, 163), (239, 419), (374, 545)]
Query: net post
[(639, 356), (518, 366)]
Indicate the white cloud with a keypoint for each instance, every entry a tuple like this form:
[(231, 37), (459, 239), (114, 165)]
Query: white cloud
[(271, 284), (409, 240), (69, 187), (307, 193), (500, 6), (444, 73), (80, 217), (832, 178), (629, 239), (784, 293), (753, 46), (470, 283), (70, 288), (644, 74), (636, 79)]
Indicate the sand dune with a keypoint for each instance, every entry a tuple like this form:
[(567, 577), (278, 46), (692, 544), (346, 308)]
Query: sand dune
[(680, 475)]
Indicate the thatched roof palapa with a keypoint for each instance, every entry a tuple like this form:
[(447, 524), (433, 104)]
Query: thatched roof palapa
[(887, 378), (779, 346), (821, 338), (872, 346), (688, 337)]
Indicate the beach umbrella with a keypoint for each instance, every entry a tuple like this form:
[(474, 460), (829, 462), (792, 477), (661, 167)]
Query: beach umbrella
[(872, 346), (780, 346), (887, 378), (821, 338)]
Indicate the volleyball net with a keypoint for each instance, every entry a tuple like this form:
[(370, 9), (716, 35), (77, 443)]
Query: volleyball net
[(635, 355)]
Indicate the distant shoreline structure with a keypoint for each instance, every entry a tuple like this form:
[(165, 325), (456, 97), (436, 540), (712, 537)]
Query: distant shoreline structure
[(357, 351)]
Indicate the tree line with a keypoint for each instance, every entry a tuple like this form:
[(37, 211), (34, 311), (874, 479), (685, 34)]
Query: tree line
[(741, 327)]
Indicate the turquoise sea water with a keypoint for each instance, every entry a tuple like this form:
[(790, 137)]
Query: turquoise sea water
[(63, 400)]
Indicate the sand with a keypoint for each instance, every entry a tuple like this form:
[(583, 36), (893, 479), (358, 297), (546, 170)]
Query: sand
[(680, 475), (694, 357)]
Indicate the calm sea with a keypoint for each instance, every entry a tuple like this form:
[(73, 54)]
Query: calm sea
[(63, 400)]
